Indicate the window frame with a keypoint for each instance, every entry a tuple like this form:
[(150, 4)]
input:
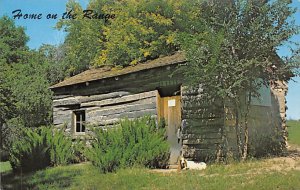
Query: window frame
[(81, 122)]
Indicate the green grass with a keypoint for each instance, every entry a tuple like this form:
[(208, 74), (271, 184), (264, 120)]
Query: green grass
[(249, 175), (294, 132), (5, 167)]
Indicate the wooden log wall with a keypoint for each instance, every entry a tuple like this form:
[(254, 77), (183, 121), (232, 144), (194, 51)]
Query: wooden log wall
[(104, 109), (107, 100), (202, 137)]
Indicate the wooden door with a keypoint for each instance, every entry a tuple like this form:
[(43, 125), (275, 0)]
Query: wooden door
[(170, 110)]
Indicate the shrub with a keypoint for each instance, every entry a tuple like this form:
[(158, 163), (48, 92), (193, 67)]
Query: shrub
[(79, 146), (31, 151), (132, 142), (39, 148), (266, 145), (61, 149)]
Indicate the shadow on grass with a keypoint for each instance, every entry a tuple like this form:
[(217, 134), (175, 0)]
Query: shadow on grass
[(43, 179)]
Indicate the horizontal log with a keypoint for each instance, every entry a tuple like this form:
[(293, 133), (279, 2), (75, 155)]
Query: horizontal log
[(61, 120), (58, 109), (205, 115), (201, 135), (201, 110), (151, 100), (119, 109), (56, 97), (204, 155), (203, 140), (83, 99), (66, 101), (110, 119), (123, 99), (204, 122)]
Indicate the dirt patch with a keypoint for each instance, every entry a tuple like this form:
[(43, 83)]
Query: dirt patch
[(291, 161)]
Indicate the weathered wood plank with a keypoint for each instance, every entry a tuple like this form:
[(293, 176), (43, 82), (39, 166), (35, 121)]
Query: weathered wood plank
[(56, 97), (200, 154), (123, 99), (151, 100), (116, 118), (201, 135), (199, 122), (119, 109), (81, 99)]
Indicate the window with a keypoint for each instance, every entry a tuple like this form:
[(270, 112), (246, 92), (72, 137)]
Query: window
[(79, 121), (264, 98)]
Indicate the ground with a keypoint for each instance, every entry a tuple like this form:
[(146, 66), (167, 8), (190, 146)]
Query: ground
[(268, 173)]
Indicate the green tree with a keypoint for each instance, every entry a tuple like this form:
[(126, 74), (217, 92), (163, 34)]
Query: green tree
[(12, 42), (239, 47), (12, 49), (25, 98), (53, 57), (141, 30)]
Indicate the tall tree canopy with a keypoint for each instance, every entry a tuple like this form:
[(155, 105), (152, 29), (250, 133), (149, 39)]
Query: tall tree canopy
[(141, 30), (25, 98)]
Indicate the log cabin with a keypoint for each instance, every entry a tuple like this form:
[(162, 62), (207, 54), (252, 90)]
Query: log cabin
[(101, 97)]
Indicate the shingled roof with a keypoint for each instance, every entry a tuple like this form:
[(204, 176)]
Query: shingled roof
[(102, 73)]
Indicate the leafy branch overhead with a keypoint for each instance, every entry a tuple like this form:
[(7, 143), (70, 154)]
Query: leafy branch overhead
[(142, 30)]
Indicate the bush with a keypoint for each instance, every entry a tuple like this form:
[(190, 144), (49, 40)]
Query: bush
[(31, 151), (131, 143), (39, 148), (61, 149), (266, 145)]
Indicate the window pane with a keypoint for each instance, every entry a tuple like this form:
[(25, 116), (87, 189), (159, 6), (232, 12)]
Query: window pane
[(83, 128), (77, 126)]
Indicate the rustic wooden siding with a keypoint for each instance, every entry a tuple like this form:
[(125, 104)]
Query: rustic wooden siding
[(107, 100), (202, 137), (104, 109)]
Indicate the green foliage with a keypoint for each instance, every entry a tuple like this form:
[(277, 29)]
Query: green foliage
[(53, 57), (30, 89), (61, 150), (12, 50), (141, 30), (25, 97), (31, 152), (225, 57), (12, 42), (266, 145), (133, 142), (236, 46), (39, 148)]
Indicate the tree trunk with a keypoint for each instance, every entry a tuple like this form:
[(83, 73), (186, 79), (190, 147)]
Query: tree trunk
[(237, 129), (246, 129)]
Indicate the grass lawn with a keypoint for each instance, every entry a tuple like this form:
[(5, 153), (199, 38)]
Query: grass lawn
[(249, 175), (294, 132)]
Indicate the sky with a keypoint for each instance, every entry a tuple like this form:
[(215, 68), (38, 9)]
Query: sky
[(43, 32)]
